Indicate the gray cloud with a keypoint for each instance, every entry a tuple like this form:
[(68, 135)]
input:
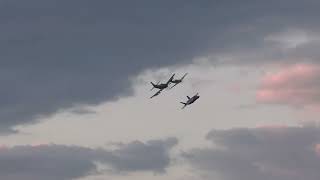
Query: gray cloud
[(59, 162), (262, 153), (58, 54)]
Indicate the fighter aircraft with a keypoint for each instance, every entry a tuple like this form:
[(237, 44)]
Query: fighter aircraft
[(162, 85), (190, 100), (178, 81)]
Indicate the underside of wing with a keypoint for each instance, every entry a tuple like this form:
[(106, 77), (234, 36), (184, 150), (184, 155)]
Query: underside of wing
[(174, 85), (184, 76), (156, 94)]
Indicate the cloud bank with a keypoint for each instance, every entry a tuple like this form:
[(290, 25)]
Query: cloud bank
[(52, 162), (286, 153), (59, 54)]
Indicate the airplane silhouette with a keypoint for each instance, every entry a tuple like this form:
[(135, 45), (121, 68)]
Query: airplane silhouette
[(178, 81), (162, 85), (190, 100)]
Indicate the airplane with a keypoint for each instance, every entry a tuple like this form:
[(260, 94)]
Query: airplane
[(162, 86), (190, 100), (156, 94), (178, 81)]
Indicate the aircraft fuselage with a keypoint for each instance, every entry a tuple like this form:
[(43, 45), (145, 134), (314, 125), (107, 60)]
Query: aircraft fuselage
[(176, 81), (161, 86), (192, 100)]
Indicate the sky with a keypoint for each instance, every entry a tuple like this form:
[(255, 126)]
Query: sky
[(75, 90)]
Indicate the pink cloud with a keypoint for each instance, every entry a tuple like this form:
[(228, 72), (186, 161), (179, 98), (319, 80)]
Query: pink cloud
[(296, 85), (317, 149), (299, 72), (3, 147)]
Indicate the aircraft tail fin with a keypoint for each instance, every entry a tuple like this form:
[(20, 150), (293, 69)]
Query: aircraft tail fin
[(153, 86), (171, 78)]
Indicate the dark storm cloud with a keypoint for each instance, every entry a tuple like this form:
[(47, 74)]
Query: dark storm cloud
[(52, 162), (287, 153), (56, 54)]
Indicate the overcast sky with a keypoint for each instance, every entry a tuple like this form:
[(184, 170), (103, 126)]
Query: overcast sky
[(75, 86)]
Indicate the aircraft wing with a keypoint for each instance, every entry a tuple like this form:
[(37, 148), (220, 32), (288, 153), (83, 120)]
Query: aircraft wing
[(171, 78), (174, 85), (184, 76), (156, 94)]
